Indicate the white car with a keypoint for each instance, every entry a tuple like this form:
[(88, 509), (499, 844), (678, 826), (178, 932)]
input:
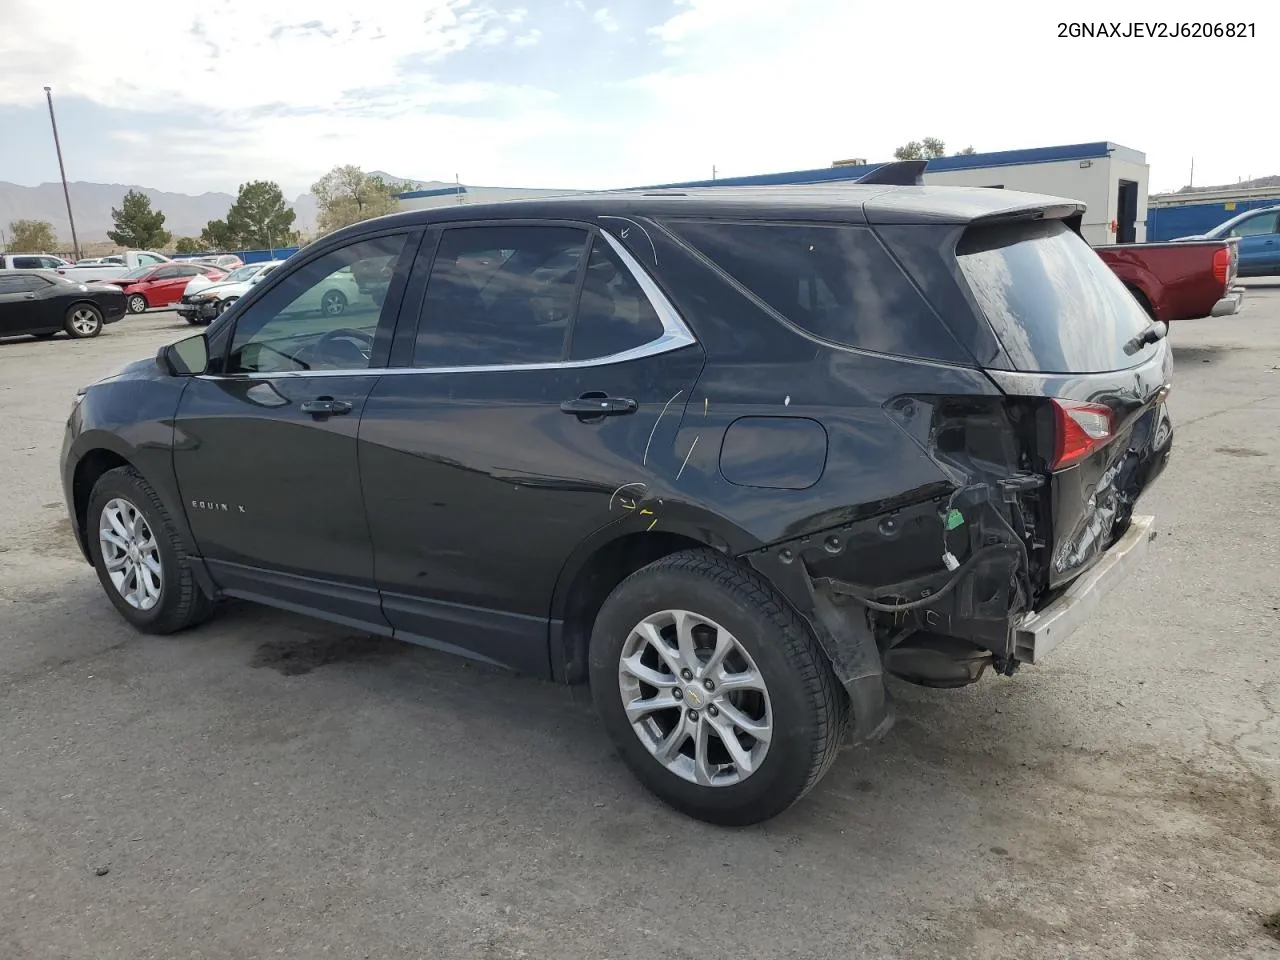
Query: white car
[(330, 299), (240, 274)]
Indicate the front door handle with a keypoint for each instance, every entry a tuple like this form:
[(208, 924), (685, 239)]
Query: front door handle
[(598, 405), (325, 407)]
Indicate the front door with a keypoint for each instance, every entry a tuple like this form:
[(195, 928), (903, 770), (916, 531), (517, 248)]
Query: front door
[(1259, 245), (265, 445), (21, 309), (501, 444)]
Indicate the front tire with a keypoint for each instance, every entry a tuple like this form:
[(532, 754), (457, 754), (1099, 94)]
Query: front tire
[(141, 563), (333, 303), (713, 689), (137, 303), (83, 320), (225, 305)]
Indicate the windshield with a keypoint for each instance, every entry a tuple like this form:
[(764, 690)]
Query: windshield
[(1054, 304), (136, 273), (241, 274)]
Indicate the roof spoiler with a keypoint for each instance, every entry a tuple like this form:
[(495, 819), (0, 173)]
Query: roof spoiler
[(899, 173)]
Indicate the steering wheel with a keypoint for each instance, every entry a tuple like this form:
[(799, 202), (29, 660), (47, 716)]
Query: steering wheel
[(349, 339)]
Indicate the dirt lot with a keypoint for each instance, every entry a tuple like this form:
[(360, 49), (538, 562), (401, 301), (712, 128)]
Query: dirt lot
[(268, 786)]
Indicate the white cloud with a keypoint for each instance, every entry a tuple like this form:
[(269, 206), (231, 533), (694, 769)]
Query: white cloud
[(289, 88), (605, 20)]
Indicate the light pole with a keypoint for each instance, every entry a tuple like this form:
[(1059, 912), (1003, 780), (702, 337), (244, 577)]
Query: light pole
[(57, 145)]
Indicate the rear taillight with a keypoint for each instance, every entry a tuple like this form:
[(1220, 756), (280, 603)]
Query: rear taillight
[(1221, 264), (1081, 428)]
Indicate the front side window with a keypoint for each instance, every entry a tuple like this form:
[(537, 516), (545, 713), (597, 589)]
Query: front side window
[(1255, 226), (499, 295), (21, 284), (317, 318)]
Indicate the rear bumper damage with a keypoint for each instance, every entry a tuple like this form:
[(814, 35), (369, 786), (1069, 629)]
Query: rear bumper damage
[(1045, 629)]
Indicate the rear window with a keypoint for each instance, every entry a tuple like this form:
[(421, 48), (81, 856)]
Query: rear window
[(1056, 307), (836, 282)]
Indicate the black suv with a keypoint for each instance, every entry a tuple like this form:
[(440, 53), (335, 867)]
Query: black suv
[(730, 455)]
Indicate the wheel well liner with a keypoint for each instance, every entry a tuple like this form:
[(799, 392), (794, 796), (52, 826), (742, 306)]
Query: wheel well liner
[(606, 567), (91, 466)]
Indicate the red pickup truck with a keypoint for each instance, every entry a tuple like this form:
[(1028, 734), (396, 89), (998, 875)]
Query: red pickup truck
[(1179, 280)]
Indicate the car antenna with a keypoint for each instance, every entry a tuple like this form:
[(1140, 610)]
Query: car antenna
[(897, 173)]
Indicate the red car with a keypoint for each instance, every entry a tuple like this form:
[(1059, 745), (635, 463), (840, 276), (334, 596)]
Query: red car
[(161, 284)]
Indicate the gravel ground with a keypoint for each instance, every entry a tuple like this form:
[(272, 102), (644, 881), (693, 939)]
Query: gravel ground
[(270, 786)]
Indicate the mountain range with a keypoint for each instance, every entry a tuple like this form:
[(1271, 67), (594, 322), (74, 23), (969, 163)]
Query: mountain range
[(185, 215)]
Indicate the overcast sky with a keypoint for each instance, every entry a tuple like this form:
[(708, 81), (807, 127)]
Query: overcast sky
[(588, 94)]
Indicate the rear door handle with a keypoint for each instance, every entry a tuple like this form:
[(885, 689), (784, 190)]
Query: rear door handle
[(325, 407), (599, 406)]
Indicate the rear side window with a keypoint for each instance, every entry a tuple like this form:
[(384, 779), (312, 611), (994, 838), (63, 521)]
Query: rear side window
[(836, 282), (1054, 304), (614, 314), (499, 295), (28, 263)]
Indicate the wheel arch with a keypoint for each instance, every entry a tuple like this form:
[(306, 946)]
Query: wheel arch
[(608, 557), (89, 468)]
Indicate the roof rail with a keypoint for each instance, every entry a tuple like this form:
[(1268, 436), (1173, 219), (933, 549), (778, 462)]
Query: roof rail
[(898, 173)]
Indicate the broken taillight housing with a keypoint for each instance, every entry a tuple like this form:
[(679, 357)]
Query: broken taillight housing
[(1221, 264), (1080, 429)]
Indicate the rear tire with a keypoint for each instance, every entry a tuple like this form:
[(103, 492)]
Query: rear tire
[(333, 303), (83, 321), (141, 563), (797, 707)]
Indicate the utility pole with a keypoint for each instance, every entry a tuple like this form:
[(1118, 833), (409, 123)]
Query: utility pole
[(1192, 181), (713, 171), (57, 145)]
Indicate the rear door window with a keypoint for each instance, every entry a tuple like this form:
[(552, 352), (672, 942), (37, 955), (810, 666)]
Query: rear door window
[(1054, 304), (614, 314), (500, 295), (835, 282)]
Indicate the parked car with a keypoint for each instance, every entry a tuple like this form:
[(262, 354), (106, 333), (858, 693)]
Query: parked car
[(41, 303), (149, 287), (31, 261), (731, 455), (226, 261), (208, 299), (1259, 233), (239, 275), (112, 267), (1179, 281)]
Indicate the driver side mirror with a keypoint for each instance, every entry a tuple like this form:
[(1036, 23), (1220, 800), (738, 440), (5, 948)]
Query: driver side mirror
[(185, 358)]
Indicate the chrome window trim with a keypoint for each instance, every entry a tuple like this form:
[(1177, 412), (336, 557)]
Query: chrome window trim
[(675, 335)]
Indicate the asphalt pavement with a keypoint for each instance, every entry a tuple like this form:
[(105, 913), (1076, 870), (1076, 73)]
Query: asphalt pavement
[(270, 786)]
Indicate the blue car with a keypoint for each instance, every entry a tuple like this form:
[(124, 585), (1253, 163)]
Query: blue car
[(1259, 233)]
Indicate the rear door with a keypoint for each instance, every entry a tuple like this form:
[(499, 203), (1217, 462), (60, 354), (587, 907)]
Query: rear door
[(539, 364), (1096, 423)]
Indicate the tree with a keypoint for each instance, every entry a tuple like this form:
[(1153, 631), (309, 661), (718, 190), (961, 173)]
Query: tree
[(187, 245), (347, 195), (216, 235), (31, 236), (930, 148), (965, 152), (138, 227), (260, 217)]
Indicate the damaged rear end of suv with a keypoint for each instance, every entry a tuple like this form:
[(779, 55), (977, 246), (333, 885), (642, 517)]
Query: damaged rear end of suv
[(959, 413)]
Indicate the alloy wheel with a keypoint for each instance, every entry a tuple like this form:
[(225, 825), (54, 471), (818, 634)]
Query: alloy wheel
[(695, 698), (130, 554), (137, 303), (85, 321)]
